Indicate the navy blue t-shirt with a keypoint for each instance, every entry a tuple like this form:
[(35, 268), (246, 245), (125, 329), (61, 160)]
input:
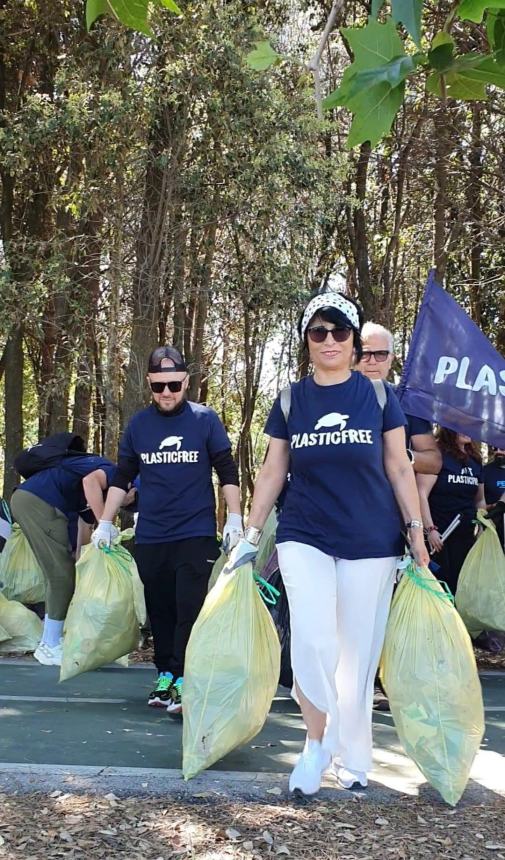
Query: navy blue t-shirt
[(61, 486), (416, 427), (339, 500), (173, 454), (455, 491), (494, 482)]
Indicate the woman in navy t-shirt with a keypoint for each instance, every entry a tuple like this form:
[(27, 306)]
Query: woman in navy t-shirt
[(351, 492), (457, 489)]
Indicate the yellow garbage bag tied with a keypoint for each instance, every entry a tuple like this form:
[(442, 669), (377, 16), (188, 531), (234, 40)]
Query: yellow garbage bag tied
[(103, 618), (20, 575), (231, 671), (480, 596), (22, 626), (429, 673)]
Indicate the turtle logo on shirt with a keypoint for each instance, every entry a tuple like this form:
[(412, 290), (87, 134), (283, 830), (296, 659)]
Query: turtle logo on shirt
[(170, 441), (333, 419)]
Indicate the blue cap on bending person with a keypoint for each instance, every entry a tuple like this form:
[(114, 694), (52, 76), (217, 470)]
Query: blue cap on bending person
[(160, 358)]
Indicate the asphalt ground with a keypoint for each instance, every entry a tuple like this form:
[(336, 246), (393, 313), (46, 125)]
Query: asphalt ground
[(98, 725)]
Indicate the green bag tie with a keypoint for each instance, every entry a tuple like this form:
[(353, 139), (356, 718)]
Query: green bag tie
[(268, 592), (5, 508), (422, 582), (121, 556)]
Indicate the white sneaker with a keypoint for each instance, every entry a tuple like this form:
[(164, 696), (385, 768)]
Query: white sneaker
[(350, 779), (47, 655), (308, 772)]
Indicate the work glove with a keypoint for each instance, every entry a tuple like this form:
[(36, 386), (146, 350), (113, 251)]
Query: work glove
[(241, 554), (104, 534), (232, 532)]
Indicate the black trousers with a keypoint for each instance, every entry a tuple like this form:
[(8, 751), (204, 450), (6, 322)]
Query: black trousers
[(455, 550), (176, 577)]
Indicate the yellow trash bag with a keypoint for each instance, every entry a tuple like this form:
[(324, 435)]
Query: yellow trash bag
[(231, 671), (106, 610), (428, 671), (20, 575), (23, 627), (480, 596)]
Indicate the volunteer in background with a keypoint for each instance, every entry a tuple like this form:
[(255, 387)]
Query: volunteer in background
[(458, 489), (339, 536), (494, 489), (376, 361), (42, 506), (174, 445)]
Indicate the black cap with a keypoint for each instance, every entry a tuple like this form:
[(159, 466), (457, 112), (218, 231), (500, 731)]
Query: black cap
[(169, 352)]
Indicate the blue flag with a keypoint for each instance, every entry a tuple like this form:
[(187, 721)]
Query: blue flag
[(453, 375)]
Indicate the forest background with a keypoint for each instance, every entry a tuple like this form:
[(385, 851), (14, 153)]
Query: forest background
[(162, 190)]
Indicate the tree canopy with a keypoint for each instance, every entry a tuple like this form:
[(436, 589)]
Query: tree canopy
[(169, 178)]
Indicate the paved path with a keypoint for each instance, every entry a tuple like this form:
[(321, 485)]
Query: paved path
[(100, 722)]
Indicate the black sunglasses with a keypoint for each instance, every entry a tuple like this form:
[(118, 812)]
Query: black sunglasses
[(174, 386), (378, 354), (318, 333)]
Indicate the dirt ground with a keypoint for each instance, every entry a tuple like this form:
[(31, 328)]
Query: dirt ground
[(82, 826)]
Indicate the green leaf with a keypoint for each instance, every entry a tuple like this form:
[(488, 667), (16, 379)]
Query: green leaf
[(373, 86), (473, 10), (374, 111), (456, 87), (131, 13), (262, 57), (441, 55), (495, 23), (441, 38), (468, 77), (171, 5), (409, 13), (373, 45), (94, 9), (392, 73)]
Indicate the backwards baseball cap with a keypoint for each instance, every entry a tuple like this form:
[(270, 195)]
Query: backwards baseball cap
[(157, 357)]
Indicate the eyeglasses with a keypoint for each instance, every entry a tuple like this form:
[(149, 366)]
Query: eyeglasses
[(378, 354), (318, 333), (174, 386)]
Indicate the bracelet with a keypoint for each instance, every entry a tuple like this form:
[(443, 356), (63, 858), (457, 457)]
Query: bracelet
[(414, 524), (252, 535), (431, 529)]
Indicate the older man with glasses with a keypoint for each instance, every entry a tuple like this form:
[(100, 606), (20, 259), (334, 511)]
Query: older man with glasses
[(173, 445), (378, 356)]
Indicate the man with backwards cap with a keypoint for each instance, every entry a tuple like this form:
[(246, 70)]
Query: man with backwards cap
[(173, 445)]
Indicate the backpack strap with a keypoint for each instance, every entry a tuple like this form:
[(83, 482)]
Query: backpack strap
[(285, 398), (380, 392)]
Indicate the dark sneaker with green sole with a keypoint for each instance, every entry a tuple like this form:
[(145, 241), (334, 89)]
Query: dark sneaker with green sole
[(160, 696)]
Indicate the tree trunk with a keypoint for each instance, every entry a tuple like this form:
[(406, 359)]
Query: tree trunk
[(441, 202), (474, 204), (167, 139), (13, 408)]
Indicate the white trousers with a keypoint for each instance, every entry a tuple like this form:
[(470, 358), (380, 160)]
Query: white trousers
[(339, 610)]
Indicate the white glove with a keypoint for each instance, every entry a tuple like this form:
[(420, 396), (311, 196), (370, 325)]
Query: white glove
[(241, 554), (104, 534), (232, 532)]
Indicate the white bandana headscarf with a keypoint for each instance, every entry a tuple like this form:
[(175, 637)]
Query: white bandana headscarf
[(330, 300)]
